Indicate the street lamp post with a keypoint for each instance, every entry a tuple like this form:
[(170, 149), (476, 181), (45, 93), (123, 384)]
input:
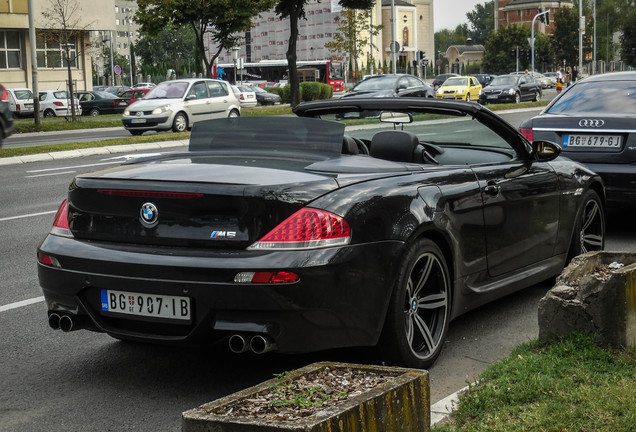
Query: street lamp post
[(235, 54), (130, 53)]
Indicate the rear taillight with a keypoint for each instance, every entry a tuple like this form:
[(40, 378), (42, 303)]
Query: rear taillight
[(56, 103), (60, 224), (5, 95), (17, 107), (242, 97), (527, 133), (307, 229), (275, 277)]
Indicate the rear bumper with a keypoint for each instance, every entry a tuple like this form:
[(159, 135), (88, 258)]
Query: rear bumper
[(340, 299), (620, 182)]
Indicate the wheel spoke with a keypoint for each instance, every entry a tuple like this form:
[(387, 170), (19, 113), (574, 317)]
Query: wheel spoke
[(594, 240), (433, 301), (426, 272), (425, 332), (409, 329), (590, 216)]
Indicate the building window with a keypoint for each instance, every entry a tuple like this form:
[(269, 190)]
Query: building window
[(10, 50), (51, 53)]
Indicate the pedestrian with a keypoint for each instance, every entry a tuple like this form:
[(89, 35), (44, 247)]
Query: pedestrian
[(568, 76), (379, 71), (559, 77), (575, 74)]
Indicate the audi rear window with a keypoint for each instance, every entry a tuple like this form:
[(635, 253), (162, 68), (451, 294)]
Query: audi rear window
[(600, 97)]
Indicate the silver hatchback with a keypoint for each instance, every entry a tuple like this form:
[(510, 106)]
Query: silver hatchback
[(178, 104)]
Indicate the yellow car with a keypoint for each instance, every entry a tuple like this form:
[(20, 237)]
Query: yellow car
[(459, 88)]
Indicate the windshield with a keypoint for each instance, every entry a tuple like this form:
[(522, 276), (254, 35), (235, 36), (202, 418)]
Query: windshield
[(456, 82), (168, 90), (606, 97), (336, 71), (376, 83), (292, 134), (504, 81)]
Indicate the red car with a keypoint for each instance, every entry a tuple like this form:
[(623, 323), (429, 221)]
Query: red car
[(133, 95)]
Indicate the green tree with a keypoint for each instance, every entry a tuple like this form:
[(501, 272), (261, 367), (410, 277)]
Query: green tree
[(628, 40), (482, 22), (223, 20), (295, 10), (445, 38), (500, 50), (173, 48), (352, 36), (118, 59)]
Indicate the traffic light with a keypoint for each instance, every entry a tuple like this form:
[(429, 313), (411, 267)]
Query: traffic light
[(547, 18), (421, 54)]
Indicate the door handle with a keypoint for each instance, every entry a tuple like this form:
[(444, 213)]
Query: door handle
[(492, 189)]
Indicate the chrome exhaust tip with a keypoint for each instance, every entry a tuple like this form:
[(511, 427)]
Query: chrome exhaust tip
[(261, 344), (238, 344), (54, 321), (66, 323)]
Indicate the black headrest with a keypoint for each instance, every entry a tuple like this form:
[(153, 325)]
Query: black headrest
[(395, 145), (349, 146)]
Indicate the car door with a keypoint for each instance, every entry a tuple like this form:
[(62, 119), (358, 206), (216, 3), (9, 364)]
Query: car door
[(526, 87), (219, 99), (197, 102), (520, 206), (474, 88)]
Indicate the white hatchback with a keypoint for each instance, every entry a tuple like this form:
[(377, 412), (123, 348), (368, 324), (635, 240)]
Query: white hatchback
[(55, 103), (21, 102), (178, 104)]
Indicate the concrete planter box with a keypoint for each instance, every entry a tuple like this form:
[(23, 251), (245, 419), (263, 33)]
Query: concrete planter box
[(595, 295), (400, 404)]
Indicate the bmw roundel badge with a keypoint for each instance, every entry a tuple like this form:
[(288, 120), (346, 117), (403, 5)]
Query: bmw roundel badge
[(149, 214)]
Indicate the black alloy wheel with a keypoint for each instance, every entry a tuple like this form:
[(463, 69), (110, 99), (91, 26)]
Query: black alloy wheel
[(589, 231), (419, 311), (49, 113)]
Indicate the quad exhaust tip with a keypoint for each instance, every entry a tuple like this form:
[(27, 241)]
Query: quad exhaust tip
[(258, 344)]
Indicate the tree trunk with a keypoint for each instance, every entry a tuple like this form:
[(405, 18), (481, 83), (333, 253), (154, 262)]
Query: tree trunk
[(291, 58), (70, 88)]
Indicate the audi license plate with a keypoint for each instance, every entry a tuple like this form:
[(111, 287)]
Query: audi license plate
[(146, 305), (598, 141)]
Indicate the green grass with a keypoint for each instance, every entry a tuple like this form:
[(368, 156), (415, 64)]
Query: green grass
[(568, 385)]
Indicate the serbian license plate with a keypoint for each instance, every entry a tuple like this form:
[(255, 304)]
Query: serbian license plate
[(138, 120), (146, 305), (491, 97), (592, 141)]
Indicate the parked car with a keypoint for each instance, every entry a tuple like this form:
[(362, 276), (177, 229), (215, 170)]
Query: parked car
[(55, 103), (21, 102), (539, 77), (401, 85), (263, 97), (94, 103), (246, 95), (134, 94), (441, 78), (147, 85), (116, 90), (511, 88), (593, 120), (552, 77), (297, 234), (266, 84), (7, 126), (178, 104), (465, 88), (99, 88), (484, 79)]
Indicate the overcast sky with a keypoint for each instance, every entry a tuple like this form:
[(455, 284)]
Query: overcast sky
[(450, 13)]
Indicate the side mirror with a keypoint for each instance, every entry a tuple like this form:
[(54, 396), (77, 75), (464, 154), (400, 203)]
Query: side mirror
[(190, 97), (545, 151)]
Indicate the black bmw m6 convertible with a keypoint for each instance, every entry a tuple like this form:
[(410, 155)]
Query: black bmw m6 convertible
[(360, 222)]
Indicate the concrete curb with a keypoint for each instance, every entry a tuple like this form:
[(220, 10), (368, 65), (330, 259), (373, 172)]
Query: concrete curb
[(125, 148), (443, 408)]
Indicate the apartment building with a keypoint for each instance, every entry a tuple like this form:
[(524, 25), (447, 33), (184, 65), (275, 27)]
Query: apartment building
[(15, 43)]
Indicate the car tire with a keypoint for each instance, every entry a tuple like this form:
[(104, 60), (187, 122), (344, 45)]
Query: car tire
[(49, 113), (94, 112), (180, 123), (517, 98), (467, 97), (589, 228), (419, 310), (136, 132), (537, 96), (234, 113)]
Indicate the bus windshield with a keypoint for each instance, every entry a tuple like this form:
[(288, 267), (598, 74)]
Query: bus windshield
[(336, 71)]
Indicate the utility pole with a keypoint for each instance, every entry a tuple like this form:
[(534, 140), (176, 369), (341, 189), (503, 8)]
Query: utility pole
[(34, 65)]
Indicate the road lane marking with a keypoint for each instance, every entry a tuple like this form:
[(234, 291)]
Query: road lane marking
[(27, 215), (21, 303), (50, 174)]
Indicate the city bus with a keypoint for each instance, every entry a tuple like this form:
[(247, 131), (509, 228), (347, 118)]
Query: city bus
[(325, 71)]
